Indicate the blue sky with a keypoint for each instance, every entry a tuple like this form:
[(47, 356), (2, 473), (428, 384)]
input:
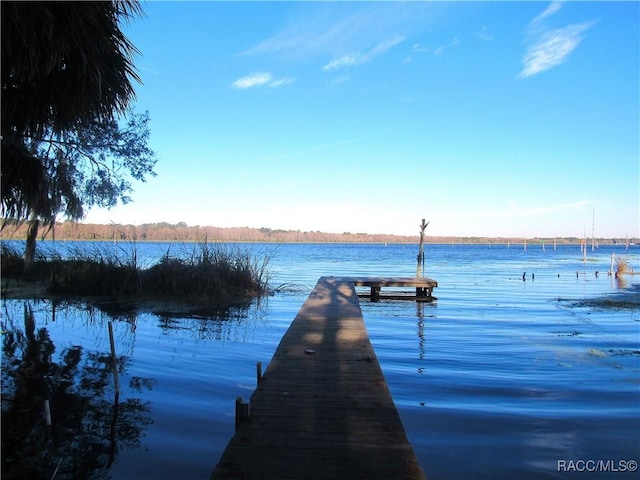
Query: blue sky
[(485, 118)]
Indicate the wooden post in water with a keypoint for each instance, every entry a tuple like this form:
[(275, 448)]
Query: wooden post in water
[(613, 260), (420, 268), (238, 412), (258, 372), (242, 412), (114, 364), (593, 230)]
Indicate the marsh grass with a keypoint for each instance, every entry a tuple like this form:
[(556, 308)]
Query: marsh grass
[(211, 275), (11, 261), (622, 266)]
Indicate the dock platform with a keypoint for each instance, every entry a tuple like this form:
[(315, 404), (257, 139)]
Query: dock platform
[(423, 287), (322, 409)]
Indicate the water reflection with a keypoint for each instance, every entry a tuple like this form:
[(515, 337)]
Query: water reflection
[(619, 282), (60, 415), (420, 315)]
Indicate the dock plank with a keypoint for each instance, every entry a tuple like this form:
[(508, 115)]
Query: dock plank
[(322, 409)]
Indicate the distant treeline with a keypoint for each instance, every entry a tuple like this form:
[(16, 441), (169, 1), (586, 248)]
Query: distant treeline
[(161, 232)]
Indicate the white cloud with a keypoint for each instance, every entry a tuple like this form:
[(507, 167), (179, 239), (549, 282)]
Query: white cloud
[(549, 47), (280, 82), (253, 80), (261, 79), (349, 60), (386, 45), (317, 29), (343, 61), (343, 35), (552, 48), (550, 10)]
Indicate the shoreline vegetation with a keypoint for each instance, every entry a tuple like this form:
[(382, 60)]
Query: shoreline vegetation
[(181, 232), (212, 281)]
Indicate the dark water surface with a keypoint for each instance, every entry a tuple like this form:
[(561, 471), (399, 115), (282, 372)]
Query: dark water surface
[(499, 378)]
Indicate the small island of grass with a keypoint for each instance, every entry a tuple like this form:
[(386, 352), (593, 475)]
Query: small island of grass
[(210, 281)]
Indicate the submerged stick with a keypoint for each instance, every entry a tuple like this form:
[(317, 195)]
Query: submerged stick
[(114, 364)]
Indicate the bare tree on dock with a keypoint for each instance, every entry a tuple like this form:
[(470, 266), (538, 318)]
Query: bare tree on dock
[(420, 268)]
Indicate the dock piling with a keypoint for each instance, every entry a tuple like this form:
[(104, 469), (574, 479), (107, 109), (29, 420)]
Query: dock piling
[(258, 372), (242, 412)]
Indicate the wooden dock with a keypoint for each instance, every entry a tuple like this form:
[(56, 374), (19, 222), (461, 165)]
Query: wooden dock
[(423, 287), (322, 409)]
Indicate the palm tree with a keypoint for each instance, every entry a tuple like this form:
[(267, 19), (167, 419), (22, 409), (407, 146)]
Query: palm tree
[(64, 64)]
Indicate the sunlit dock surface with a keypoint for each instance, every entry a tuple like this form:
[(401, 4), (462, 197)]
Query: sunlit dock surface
[(322, 409)]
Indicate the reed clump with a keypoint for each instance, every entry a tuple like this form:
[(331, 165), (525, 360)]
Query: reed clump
[(211, 275), (622, 266), (11, 261)]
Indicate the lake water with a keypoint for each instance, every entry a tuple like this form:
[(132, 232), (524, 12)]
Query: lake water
[(498, 378)]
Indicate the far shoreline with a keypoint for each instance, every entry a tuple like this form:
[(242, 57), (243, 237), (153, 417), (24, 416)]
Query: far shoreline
[(531, 243), (181, 232)]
